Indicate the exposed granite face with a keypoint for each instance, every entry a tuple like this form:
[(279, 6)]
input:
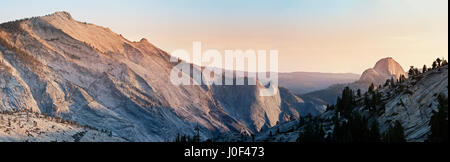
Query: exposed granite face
[(384, 69), (86, 73)]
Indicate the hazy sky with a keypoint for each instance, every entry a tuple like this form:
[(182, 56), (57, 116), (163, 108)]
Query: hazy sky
[(311, 35)]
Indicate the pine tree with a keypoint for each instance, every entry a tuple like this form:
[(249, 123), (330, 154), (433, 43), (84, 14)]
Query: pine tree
[(301, 122), (366, 100), (196, 137), (424, 69), (402, 78), (416, 71), (371, 88), (438, 60), (372, 102), (395, 134), (177, 139), (439, 122), (392, 82), (444, 62), (312, 132), (346, 102), (411, 71), (386, 84), (374, 134)]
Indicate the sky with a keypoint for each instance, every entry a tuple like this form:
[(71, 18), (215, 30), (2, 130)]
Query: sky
[(337, 36)]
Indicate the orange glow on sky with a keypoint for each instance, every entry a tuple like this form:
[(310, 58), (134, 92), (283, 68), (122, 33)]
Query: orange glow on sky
[(318, 36)]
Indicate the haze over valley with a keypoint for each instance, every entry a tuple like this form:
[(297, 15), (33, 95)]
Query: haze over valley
[(369, 71)]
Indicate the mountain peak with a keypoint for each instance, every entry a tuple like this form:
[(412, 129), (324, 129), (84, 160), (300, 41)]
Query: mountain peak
[(61, 14), (384, 69), (389, 66), (143, 40), (385, 61), (101, 38)]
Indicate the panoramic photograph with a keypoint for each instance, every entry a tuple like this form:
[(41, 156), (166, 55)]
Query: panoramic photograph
[(224, 71)]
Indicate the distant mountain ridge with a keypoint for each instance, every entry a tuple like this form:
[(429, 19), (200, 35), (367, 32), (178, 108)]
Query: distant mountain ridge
[(306, 82)]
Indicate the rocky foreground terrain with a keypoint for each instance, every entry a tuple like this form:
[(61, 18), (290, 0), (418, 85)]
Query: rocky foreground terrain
[(26, 126)]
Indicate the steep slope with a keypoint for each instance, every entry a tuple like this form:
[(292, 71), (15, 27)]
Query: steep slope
[(85, 73), (414, 102), (263, 112), (411, 102)]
